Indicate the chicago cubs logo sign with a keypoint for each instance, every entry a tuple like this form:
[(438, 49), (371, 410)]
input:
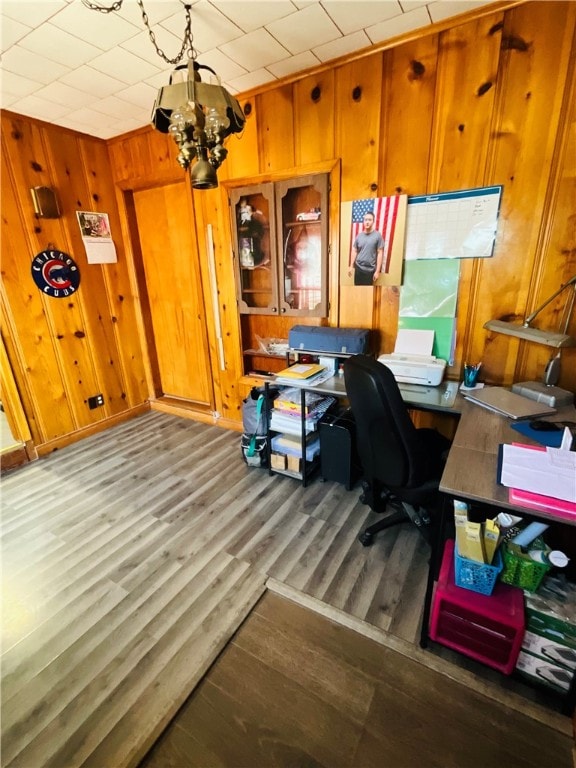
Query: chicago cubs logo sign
[(55, 274)]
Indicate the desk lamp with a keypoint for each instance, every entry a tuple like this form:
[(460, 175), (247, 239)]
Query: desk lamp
[(545, 391)]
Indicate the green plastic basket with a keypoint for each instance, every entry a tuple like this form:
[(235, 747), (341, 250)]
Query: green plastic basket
[(520, 570)]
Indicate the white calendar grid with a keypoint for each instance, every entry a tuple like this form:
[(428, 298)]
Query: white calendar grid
[(453, 225)]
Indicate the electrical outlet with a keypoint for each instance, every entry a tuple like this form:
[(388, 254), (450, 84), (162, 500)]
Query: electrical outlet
[(96, 401)]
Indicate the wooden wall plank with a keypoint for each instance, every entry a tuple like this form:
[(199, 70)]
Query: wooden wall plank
[(537, 40), (276, 129), (314, 118)]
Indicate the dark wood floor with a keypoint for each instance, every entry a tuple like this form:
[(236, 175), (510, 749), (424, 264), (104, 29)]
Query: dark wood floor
[(293, 688)]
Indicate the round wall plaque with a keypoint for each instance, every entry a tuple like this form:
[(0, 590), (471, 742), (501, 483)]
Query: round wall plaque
[(55, 273)]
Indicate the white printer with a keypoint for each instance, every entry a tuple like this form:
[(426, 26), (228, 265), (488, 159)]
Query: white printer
[(412, 361)]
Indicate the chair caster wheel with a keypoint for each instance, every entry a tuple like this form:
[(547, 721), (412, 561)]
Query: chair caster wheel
[(365, 539)]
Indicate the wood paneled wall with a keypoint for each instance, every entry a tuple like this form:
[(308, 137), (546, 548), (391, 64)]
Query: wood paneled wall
[(64, 350), (488, 100)]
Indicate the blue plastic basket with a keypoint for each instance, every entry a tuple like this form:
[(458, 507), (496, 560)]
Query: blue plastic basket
[(478, 577)]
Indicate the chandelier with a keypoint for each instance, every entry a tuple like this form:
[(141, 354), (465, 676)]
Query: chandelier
[(198, 115)]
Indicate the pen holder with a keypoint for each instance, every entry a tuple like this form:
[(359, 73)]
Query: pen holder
[(471, 375)]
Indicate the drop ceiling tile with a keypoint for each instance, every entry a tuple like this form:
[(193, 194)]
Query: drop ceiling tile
[(410, 5), (251, 80), (60, 93), (142, 46), (85, 78), (160, 79), (254, 50), (350, 17), (14, 85), (252, 15), (32, 65), (294, 64), (33, 14), (156, 10), (89, 117), (60, 46), (11, 31), (304, 29), (123, 65), (32, 105), (6, 100), (447, 8), (105, 30), (120, 109), (342, 46), (221, 64), (406, 22), (210, 28), (140, 94)]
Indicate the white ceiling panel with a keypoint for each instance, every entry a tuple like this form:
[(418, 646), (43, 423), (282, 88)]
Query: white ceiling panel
[(63, 94), (99, 73), (350, 17), (251, 80), (30, 104), (414, 19), (342, 46), (210, 28), (32, 13), (28, 64), (15, 85), (254, 50), (251, 16), (304, 29), (124, 65), (59, 46), (94, 27), (11, 31), (91, 80), (294, 64)]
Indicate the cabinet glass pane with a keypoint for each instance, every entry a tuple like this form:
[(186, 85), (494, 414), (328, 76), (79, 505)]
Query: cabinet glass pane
[(257, 279), (301, 286)]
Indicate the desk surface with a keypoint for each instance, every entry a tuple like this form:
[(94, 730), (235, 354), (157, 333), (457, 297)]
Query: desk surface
[(443, 398), (472, 465)]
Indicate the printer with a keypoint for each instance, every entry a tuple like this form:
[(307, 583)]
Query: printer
[(412, 361)]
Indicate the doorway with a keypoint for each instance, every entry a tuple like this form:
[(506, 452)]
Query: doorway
[(176, 318)]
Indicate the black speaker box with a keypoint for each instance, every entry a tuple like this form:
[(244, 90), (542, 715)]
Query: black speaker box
[(338, 455)]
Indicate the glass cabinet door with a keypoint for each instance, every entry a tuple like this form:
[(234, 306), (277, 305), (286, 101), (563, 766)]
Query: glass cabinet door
[(302, 221), (252, 210)]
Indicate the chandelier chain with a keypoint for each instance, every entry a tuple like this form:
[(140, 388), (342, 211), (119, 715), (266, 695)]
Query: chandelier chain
[(187, 43)]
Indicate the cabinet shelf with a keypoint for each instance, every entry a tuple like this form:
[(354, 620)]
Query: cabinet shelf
[(303, 223)]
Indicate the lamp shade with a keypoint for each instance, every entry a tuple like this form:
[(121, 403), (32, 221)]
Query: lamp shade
[(549, 338)]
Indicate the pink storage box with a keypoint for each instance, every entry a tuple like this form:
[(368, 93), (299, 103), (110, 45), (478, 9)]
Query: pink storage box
[(488, 628)]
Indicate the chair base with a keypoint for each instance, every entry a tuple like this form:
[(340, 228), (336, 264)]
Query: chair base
[(401, 512)]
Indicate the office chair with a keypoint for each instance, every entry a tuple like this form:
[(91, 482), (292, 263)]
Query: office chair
[(401, 464)]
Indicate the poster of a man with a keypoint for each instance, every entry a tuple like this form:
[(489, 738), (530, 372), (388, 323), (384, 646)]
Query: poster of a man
[(367, 253), (372, 233)]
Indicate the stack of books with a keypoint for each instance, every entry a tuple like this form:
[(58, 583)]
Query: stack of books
[(287, 412), (302, 375)]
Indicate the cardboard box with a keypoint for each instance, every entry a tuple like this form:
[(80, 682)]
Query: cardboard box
[(278, 460), (294, 463)]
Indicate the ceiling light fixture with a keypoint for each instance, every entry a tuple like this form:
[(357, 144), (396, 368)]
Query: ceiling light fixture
[(199, 116)]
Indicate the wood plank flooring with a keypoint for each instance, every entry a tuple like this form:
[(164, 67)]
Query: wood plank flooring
[(293, 688), (130, 559)]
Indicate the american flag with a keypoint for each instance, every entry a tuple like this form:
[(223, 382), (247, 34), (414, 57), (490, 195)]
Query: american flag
[(385, 210)]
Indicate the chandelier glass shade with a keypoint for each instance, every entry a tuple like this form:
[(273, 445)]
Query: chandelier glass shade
[(199, 116)]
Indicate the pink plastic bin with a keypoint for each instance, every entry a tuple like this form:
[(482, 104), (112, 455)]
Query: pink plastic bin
[(488, 628)]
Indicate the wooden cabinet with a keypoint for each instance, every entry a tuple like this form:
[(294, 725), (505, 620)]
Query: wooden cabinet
[(280, 235)]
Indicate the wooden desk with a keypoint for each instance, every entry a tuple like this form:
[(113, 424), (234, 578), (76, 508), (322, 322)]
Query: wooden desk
[(471, 474)]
